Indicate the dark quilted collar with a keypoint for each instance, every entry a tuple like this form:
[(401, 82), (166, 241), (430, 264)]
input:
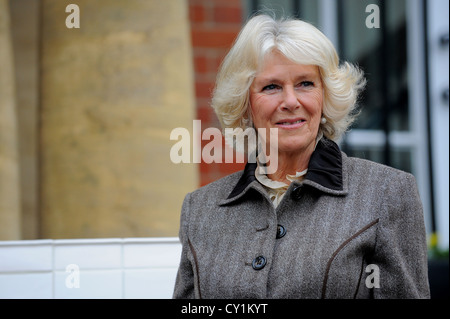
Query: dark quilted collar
[(325, 169)]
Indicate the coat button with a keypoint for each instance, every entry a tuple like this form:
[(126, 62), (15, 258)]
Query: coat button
[(259, 263), (296, 193), (281, 231)]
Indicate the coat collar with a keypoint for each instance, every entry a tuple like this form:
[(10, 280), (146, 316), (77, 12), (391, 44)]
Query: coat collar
[(325, 172)]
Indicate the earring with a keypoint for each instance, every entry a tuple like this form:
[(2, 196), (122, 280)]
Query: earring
[(323, 120)]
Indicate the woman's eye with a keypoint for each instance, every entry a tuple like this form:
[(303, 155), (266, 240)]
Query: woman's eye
[(307, 83), (270, 87)]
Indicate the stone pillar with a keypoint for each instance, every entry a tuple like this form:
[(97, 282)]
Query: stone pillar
[(111, 93), (25, 41), (9, 164)]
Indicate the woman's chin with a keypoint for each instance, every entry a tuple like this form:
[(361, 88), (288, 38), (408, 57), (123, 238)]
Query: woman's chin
[(292, 146)]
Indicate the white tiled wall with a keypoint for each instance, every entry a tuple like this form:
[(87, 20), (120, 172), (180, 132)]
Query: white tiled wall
[(89, 268)]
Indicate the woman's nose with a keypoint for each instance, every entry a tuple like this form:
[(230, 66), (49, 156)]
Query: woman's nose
[(290, 100)]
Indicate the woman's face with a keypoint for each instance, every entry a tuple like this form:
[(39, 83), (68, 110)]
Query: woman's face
[(289, 97)]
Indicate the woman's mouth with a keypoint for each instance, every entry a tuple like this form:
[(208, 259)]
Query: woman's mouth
[(290, 124)]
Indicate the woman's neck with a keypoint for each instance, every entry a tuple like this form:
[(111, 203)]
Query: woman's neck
[(290, 163)]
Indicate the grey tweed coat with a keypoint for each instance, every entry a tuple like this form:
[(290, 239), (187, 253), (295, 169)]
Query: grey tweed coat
[(351, 229)]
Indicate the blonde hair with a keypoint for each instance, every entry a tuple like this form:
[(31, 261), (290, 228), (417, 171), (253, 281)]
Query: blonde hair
[(300, 42)]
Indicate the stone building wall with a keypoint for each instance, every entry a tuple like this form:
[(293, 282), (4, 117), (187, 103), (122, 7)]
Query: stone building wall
[(86, 152)]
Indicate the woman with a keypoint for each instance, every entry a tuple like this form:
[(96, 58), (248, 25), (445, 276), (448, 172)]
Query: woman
[(323, 225)]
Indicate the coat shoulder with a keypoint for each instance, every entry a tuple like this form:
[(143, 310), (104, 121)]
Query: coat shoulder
[(369, 168), (369, 175), (219, 189)]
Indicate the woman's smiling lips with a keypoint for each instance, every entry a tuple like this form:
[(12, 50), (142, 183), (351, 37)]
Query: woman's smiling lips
[(290, 123)]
